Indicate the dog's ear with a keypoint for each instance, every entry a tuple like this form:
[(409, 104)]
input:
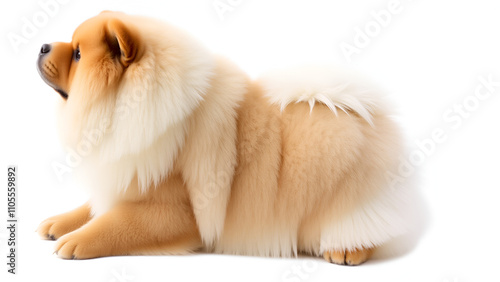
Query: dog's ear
[(123, 42)]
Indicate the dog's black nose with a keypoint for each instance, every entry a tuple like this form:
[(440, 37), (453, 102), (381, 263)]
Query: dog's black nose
[(45, 49)]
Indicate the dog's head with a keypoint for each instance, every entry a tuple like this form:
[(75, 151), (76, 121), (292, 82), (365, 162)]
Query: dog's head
[(125, 77), (101, 49)]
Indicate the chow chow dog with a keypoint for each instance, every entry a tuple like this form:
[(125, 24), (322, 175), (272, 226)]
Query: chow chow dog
[(182, 151)]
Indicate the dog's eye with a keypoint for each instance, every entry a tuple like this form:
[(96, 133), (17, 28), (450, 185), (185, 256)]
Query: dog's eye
[(77, 54)]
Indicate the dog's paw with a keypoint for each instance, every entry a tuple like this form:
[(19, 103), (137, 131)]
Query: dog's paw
[(55, 227), (78, 245), (355, 257)]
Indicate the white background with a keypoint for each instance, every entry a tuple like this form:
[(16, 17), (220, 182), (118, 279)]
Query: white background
[(428, 57)]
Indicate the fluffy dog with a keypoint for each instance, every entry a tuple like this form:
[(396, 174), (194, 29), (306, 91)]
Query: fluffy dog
[(181, 151)]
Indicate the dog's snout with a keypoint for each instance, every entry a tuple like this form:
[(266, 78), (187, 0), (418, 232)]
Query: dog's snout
[(45, 49)]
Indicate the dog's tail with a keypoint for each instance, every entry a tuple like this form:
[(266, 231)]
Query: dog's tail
[(337, 89)]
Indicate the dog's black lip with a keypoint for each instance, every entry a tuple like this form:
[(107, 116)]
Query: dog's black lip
[(63, 94), (39, 65)]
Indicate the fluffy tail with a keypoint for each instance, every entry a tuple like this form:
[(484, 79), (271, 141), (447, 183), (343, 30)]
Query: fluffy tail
[(334, 88)]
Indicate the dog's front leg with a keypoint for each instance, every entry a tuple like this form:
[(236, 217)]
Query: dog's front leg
[(144, 227), (54, 227)]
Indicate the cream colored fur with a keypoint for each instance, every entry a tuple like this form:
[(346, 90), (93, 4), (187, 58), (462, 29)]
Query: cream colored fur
[(294, 162), (335, 88)]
